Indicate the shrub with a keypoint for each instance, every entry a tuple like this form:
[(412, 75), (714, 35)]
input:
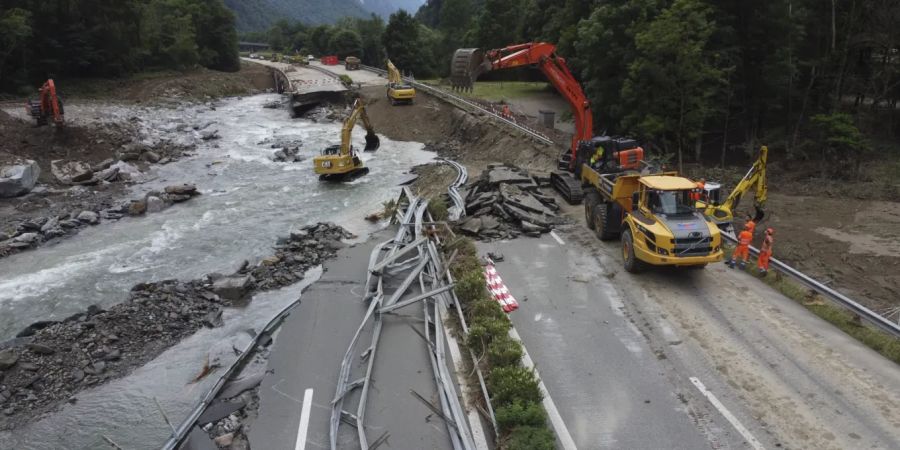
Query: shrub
[(484, 330), (520, 414), (438, 209), (471, 287), (346, 80), (486, 308), (510, 384), (504, 351), (531, 438)]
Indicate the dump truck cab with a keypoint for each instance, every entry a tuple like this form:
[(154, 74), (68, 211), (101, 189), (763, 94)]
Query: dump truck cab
[(654, 214), (664, 228)]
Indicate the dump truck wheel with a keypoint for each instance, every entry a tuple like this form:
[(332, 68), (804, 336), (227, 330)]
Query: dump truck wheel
[(591, 202), (631, 263)]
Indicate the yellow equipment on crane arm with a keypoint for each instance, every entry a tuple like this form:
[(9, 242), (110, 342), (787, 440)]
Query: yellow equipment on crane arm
[(722, 213), (397, 90), (340, 162)]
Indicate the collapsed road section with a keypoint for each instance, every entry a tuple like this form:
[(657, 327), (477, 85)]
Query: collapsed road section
[(307, 86)]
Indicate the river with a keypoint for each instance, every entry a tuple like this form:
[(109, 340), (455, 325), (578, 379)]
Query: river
[(248, 201)]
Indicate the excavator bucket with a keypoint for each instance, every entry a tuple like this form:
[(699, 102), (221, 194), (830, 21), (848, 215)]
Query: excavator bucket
[(465, 67), (372, 142), (760, 213)]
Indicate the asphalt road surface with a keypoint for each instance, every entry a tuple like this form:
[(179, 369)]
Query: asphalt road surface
[(689, 358), (307, 356)]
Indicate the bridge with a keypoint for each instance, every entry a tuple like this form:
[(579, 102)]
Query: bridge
[(308, 85)]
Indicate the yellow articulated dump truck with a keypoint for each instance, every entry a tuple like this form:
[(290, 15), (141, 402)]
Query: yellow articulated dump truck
[(654, 214)]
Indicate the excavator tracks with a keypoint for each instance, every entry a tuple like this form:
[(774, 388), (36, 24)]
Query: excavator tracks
[(567, 186)]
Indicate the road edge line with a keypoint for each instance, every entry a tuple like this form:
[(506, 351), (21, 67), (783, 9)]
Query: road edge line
[(304, 420), (751, 440), (559, 426), (556, 236)]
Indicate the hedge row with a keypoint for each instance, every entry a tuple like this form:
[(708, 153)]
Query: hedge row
[(514, 390)]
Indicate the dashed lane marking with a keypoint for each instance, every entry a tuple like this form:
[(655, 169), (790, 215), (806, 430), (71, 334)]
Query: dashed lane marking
[(304, 420), (556, 236), (565, 439), (751, 440)]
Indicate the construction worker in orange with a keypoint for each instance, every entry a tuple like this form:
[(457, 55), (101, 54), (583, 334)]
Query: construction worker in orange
[(750, 224), (765, 252), (699, 192), (743, 248)]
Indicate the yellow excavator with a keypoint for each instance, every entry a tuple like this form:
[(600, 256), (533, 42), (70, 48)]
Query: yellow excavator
[(341, 162), (722, 212), (397, 90)]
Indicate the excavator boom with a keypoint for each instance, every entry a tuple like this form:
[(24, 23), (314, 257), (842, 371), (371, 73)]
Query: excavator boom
[(469, 63), (755, 179)]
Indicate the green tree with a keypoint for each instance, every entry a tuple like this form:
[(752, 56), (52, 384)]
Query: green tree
[(839, 141), (344, 43), (319, 38), (15, 30), (604, 50), (673, 78), (499, 23), (403, 43)]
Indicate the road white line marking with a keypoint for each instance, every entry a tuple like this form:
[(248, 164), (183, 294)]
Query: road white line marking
[(727, 414), (304, 420), (556, 236), (555, 419)]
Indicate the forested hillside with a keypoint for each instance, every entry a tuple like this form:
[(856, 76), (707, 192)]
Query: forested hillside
[(257, 15), (59, 38)]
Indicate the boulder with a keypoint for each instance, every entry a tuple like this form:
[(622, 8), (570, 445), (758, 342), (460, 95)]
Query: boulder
[(155, 204), (233, 287), (137, 207), (182, 189), (8, 358), (103, 165), (18, 179), (40, 349), (471, 225), (89, 217), (151, 157), (71, 172), (26, 238), (209, 135)]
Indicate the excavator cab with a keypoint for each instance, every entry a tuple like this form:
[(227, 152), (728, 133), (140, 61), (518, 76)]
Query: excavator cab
[(49, 106)]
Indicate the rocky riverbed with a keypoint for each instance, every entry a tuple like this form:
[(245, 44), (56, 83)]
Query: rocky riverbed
[(50, 362)]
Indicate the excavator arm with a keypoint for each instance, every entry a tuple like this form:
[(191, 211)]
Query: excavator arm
[(723, 213), (469, 64), (755, 177), (393, 73), (359, 112)]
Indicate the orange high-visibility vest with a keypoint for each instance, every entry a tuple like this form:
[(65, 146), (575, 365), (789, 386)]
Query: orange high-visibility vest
[(745, 238)]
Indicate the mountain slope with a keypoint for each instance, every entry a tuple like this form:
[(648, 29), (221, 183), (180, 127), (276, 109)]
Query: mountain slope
[(385, 8), (255, 15)]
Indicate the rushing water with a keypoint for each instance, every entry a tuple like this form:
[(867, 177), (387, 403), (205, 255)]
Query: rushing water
[(247, 202)]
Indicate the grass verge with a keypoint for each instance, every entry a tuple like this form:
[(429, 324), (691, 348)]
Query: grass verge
[(883, 343), (514, 390), (506, 90)]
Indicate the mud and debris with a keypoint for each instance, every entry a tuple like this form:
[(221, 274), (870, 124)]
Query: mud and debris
[(49, 362), (506, 202)]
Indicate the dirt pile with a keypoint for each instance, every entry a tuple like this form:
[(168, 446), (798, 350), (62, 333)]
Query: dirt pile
[(472, 139), (506, 201), (49, 362)]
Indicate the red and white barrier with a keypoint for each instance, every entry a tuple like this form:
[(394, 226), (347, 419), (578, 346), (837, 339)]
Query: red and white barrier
[(498, 290)]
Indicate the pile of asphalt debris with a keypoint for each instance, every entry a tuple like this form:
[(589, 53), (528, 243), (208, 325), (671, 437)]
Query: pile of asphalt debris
[(505, 202), (49, 362), (33, 232)]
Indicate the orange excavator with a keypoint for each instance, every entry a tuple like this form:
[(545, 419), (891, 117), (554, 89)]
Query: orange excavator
[(48, 107), (469, 63)]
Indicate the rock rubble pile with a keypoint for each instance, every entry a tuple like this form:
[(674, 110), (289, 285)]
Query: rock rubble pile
[(505, 202)]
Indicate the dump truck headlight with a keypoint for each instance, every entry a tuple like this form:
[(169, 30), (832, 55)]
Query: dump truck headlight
[(662, 251)]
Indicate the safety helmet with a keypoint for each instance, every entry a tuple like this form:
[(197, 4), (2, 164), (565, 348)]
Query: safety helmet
[(747, 226)]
